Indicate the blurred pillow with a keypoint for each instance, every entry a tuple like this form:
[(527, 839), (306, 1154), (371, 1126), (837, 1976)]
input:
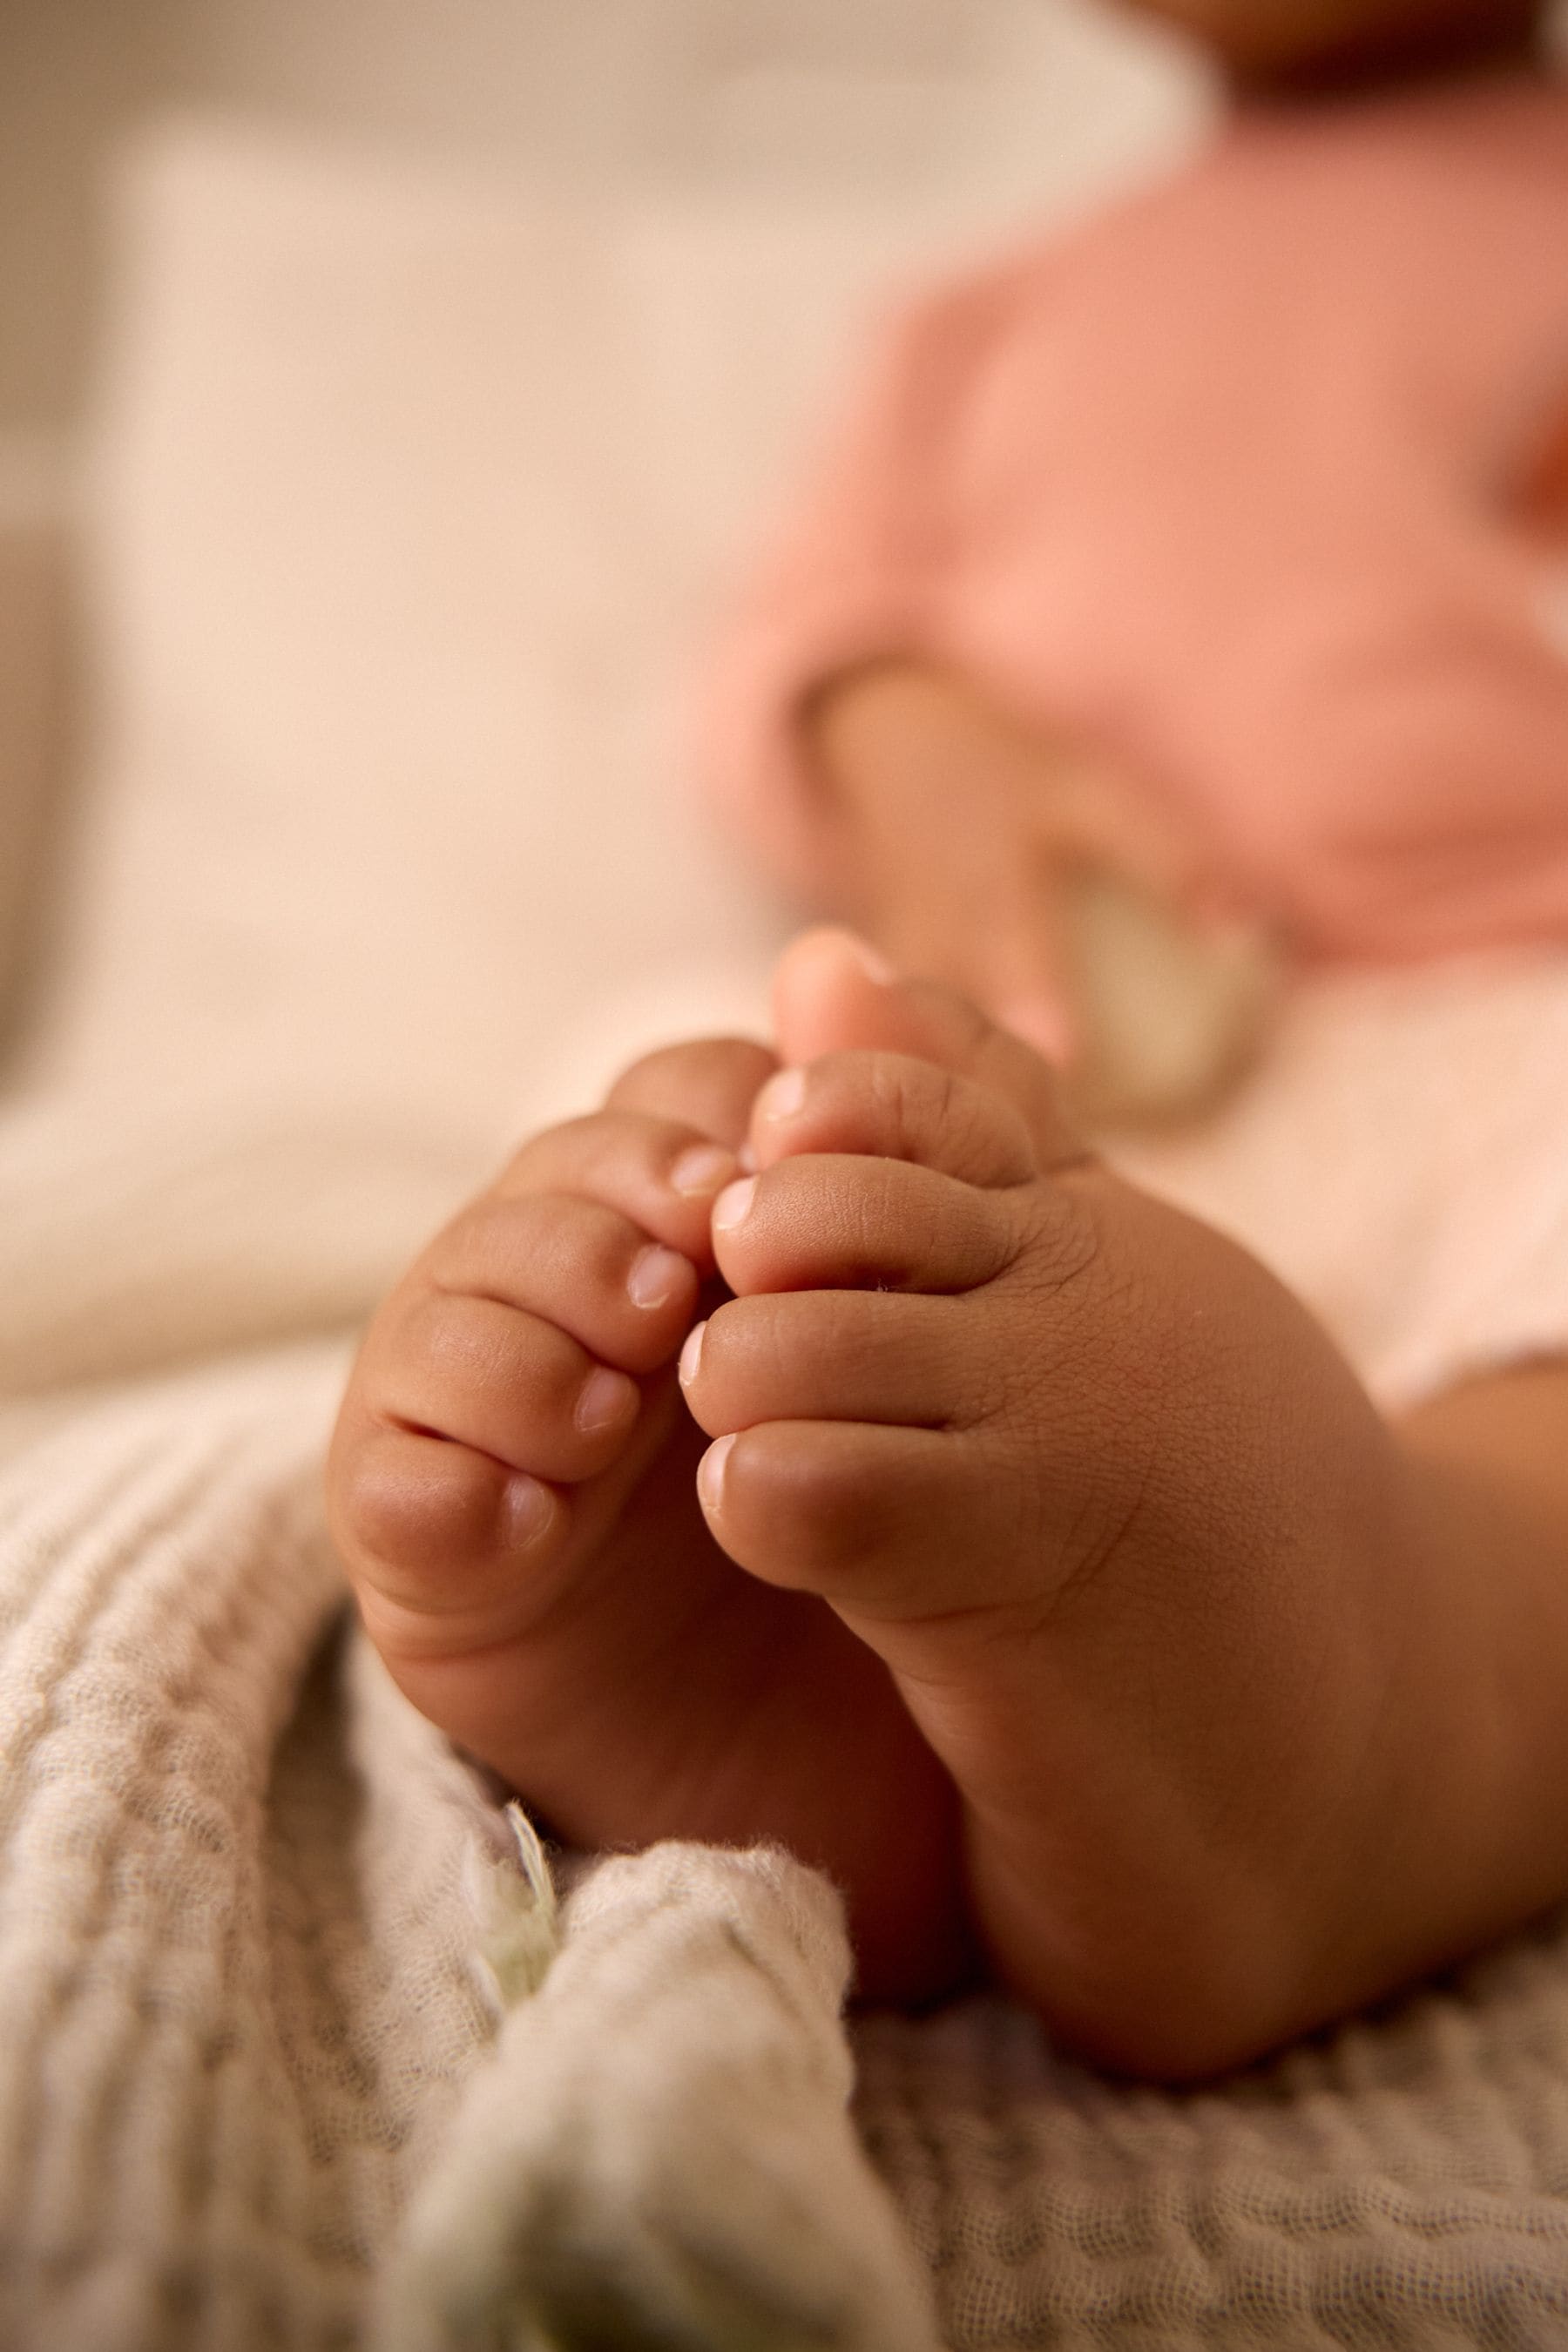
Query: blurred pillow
[(413, 494), (35, 544)]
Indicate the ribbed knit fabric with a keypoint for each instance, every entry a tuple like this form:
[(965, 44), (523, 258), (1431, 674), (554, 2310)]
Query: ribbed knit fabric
[(237, 1982), (259, 1927), (1403, 2183)]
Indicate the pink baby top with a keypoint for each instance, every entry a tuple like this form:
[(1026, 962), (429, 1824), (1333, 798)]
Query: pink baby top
[(1223, 485)]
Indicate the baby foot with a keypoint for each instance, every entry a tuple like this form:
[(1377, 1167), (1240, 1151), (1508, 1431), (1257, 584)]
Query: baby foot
[(1098, 1491), (512, 1489)]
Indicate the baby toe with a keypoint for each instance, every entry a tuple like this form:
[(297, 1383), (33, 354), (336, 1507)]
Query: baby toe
[(434, 1538)]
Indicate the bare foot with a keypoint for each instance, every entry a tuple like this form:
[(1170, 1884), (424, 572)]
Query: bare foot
[(512, 1489), (1103, 1498)]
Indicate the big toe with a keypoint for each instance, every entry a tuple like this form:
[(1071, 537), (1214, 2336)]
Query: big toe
[(832, 993)]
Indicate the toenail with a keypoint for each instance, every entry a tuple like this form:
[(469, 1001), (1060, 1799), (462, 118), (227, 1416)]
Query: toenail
[(657, 1274), (875, 966), (530, 1509), (733, 1205), (783, 1096), (702, 1169), (604, 1398), (710, 1474), (692, 1355)]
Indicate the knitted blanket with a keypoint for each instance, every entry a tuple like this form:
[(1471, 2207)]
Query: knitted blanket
[(302, 2044)]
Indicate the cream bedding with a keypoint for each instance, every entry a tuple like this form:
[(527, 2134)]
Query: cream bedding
[(260, 1931)]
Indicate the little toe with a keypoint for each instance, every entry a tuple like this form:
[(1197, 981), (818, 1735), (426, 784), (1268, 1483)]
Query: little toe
[(439, 1539), (832, 993)]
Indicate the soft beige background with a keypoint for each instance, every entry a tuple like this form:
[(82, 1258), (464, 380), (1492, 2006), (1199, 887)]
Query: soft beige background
[(864, 111), (896, 92), (1037, 103), (893, 91), (1032, 104)]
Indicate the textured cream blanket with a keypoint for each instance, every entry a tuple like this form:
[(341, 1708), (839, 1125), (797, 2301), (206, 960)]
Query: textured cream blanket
[(296, 2049)]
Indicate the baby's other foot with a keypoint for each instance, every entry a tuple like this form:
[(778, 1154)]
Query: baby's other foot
[(1095, 1488), (512, 1489)]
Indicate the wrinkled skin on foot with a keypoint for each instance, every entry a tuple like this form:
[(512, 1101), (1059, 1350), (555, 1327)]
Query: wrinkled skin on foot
[(1099, 1491), (1031, 1586), (512, 1489)]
